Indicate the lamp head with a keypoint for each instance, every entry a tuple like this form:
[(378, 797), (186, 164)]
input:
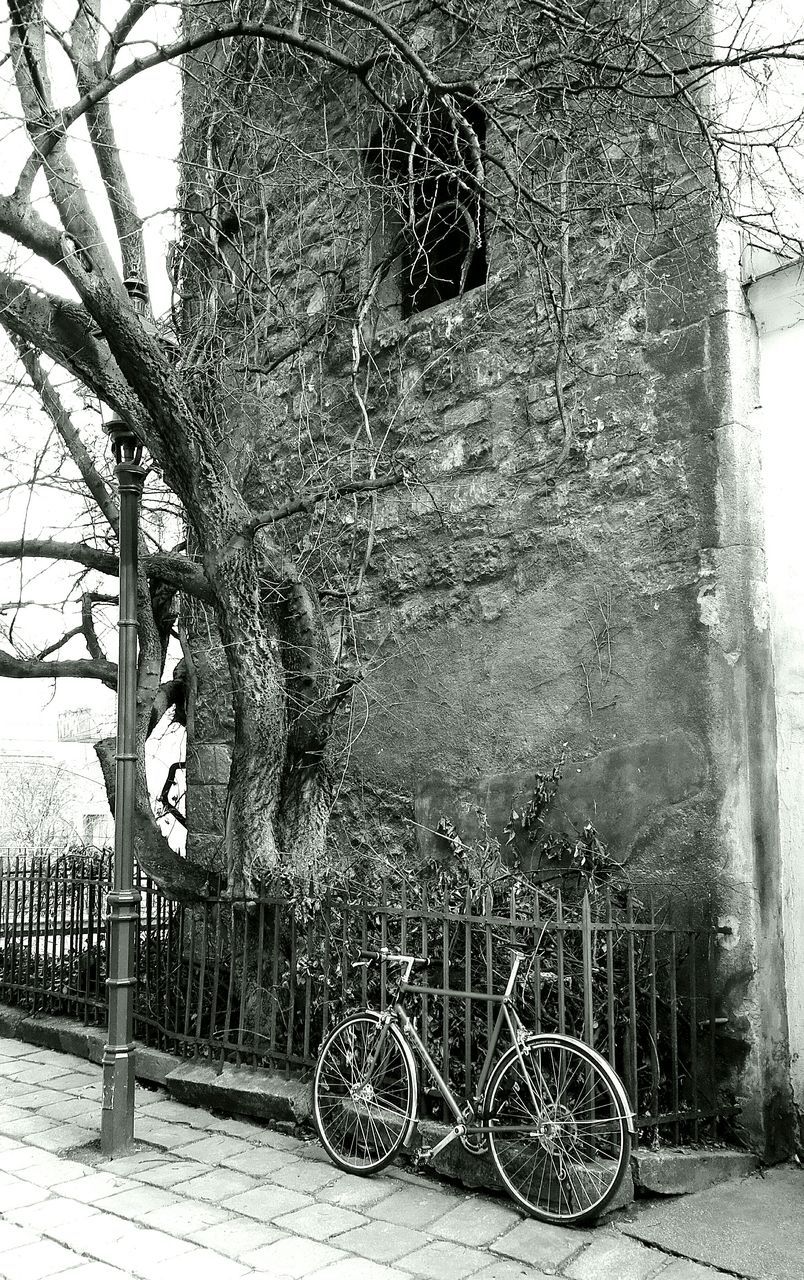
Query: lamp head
[(126, 444)]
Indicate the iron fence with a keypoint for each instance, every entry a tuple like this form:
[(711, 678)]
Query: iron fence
[(260, 981)]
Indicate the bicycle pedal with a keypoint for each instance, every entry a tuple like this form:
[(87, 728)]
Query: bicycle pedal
[(421, 1156)]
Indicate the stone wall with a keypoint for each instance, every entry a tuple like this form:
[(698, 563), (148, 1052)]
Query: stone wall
[(612, 601)]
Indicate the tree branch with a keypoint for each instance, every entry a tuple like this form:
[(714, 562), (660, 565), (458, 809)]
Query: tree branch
[(121, 33), (63, 423), (189, 44), (61, 668), (88, 599), (59, 644), (63, 330), (84, 53), (27, 47), (301, 505), (175, 571)]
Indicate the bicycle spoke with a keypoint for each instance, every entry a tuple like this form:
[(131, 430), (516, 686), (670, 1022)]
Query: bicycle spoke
[(364, 1094), (556, 1133)]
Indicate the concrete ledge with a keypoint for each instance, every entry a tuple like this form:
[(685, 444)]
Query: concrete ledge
[(66, 1036), (680, 1171), (242, 1091)]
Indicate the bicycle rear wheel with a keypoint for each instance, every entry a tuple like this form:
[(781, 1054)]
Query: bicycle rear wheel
[(364, 1093), (557, 1132)]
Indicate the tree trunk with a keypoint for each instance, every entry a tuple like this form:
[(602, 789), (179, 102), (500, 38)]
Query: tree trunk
[(283, 684)]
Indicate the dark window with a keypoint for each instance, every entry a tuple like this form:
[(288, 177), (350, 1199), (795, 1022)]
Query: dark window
[(429, 181)]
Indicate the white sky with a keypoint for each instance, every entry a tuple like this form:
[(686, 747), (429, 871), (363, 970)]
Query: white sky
[(147, 121)]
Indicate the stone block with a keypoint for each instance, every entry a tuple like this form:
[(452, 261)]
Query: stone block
[(211, 1148), (137, 1203), (168, 1136), (680, 1172), (613, 1255), (476, 1221), (267, 1202), (455, 1161), (625, 1194), (304, 1175), (413, 1205), (291, 1256), (382, 1241), (360, 1269), (241, 1091), (679, 351), (351, 1192), (540, 1244), (319, 1221), (683, 1269), (733, 365), (170, 1173), (236, 1238), (217, 1184), (206, 808), (201, 1264), (206, 851), (185, 1218), (152, 1065), (45, 1258), (510, 1269), (260, 1162), (465, 414), (209, 763), (442, 1261)]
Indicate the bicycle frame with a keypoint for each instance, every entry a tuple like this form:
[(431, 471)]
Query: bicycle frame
[(506, 1017)]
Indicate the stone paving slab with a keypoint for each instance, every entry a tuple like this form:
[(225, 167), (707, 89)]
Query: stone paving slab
[(510, 1269), (292, 1257), (440, 1260), (209, 1198), (613, 1256), (382, 1241), (262, 1162), (541, 1244), (36, 1261), (476, 1222), (236, 1238), (320, 1221), (754, 1227)]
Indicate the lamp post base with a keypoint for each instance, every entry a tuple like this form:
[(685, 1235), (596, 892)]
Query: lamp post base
[(117, 1116)]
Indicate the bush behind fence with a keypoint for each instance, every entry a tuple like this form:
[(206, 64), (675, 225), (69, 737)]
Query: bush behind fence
[(259, 982)]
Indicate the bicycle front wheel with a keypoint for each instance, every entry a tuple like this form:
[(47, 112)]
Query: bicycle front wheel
[(556, 1129), (364, 1093)]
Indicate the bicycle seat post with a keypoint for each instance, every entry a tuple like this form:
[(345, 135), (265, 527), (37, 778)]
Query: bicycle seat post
[(515, 963)]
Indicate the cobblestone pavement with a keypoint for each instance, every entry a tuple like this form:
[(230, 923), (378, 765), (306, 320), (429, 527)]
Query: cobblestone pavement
[(220, 1198)]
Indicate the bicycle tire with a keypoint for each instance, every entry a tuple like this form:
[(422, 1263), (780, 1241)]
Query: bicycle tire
[(364, 1118), (557, 1133)]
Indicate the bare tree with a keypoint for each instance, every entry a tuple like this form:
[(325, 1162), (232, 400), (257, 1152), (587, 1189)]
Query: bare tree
[(35, 800), (423, 130)]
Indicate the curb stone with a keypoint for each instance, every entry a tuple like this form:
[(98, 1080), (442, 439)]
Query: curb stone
[(271, 1096)]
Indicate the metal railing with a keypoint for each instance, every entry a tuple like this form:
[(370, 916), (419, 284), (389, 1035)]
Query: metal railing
[(259, 982)]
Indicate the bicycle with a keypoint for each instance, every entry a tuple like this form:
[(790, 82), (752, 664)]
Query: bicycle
[(553, 1112)]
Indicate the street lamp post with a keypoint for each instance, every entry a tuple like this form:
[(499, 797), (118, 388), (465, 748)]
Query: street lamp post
[(117, 1117)]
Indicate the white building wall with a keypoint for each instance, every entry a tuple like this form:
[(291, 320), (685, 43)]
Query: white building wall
[(777, 301)]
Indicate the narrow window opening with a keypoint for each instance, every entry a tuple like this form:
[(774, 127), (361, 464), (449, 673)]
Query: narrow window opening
[(433, 210)]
